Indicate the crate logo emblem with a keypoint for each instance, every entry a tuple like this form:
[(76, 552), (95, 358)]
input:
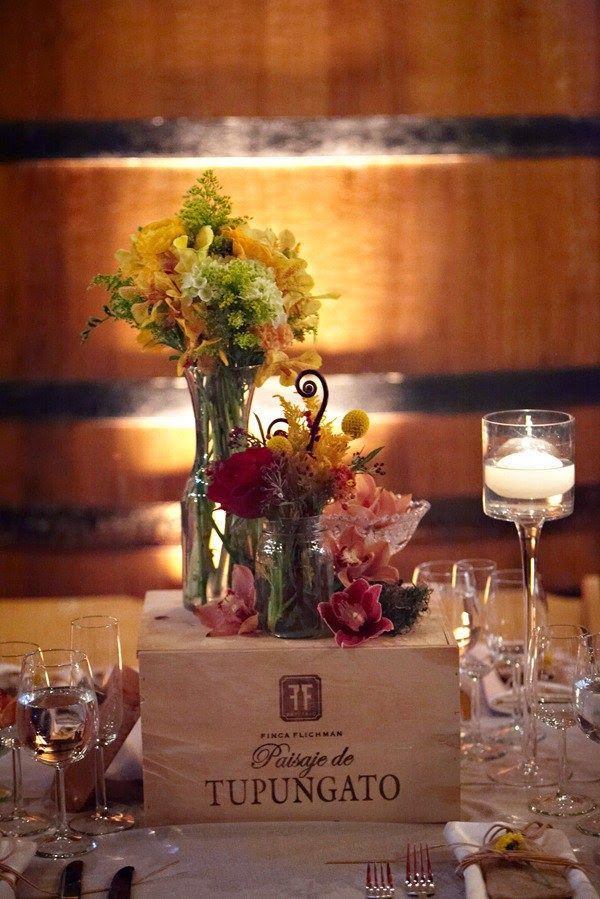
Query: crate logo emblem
[(300, 697)]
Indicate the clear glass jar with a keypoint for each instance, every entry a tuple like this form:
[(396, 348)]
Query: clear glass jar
[(212, 543), (294, 573)]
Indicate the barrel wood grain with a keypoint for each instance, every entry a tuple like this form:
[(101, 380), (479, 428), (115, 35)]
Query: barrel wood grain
[(141, 58), (566, 554), (455, 265), (119, 464)]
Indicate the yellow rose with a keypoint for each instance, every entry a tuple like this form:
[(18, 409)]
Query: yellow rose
[(157, 237)]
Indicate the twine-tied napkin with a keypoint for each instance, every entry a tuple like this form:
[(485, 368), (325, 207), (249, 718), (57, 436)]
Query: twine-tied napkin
[(538, 870), (15, 855)]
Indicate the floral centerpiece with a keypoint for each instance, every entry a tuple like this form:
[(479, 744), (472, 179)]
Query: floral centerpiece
[(228, 302), (289, 475)]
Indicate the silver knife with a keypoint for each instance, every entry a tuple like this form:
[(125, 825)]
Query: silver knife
[(120, 885), (70, 880)]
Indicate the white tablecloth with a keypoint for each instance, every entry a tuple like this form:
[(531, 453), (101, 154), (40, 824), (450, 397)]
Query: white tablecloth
[(300, 860)]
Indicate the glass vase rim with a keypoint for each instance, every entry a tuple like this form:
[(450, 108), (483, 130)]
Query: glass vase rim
[(71, 657), (415, 506), (108, 621), (196, 368), (496, 418), (553, 631), (299, 519), (16, 655)]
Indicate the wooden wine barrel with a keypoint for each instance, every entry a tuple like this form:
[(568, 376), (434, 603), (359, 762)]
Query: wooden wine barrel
[(446, 185), (117, 59)]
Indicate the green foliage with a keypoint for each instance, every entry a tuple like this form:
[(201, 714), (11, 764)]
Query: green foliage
[(363, 463), (403, 604), (206, 204), (118, 306)]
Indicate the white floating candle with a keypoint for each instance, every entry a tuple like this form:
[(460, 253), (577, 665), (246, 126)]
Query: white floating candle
[(529, 474)]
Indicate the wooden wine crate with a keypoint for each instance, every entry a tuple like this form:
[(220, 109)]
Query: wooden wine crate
[(256, 728)]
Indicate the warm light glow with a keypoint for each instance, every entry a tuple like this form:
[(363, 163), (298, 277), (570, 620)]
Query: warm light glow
[(350, 160), (172, 562)]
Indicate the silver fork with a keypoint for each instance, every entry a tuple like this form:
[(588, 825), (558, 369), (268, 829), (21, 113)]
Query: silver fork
[(379, 883), (419, 876)]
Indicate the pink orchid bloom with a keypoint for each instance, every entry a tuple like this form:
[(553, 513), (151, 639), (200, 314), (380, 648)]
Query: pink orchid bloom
[(355, 615), (355, 557), (371, 506), (236, 612)]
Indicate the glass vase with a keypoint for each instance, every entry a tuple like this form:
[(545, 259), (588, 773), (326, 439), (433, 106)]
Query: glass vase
[(212, 541), (294, 573)]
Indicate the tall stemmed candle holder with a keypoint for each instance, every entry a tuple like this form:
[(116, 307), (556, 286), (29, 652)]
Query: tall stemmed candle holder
[(528, 478)]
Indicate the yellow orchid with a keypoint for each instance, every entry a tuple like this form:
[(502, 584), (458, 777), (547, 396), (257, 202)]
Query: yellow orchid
[(148, 341), (204, 238), (247, 244), (278, 364)]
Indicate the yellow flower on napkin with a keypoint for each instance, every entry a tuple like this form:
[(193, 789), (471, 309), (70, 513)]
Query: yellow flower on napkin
[(511, 841)]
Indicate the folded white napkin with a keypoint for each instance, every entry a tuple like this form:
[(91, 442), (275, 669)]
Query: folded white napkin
[(498, 697), (473, 832), (16, 853), (127, 764)]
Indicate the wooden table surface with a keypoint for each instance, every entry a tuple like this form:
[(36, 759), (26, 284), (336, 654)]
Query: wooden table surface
[(46, 620)]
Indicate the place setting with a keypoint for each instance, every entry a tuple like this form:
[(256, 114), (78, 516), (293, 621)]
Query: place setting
[(313, 715)]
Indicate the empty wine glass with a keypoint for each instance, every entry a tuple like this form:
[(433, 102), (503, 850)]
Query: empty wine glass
[(505, 625), (453, 590), (482, 570), (551, 695), (98, 637), (587, 706), (57, 720), (16, 822)]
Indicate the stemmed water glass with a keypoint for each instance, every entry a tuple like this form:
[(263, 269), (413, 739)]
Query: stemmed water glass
[(17, 822), (551, 697), (98, 637), (587, 705), (505, 621), (57, 720), (453, 588), (529, 478)]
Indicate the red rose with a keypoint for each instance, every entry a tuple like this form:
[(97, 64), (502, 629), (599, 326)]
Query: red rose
[(238, 483)]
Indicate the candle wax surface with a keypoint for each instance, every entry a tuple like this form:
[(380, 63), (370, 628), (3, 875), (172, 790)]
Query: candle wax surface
[(529, 474)]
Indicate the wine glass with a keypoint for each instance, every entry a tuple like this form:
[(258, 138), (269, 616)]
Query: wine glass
[(16, 822), (587, 705), (57, 720), (551, 696), (482, 570), (528, 478), (98, 637), (453, 588), (505, 622)]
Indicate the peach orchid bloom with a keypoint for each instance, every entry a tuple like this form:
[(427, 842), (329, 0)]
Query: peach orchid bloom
[(371, 506), (236, 612), (355, 557)]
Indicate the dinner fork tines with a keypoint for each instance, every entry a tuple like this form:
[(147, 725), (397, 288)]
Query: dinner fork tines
[(379, 883), (419, 876)]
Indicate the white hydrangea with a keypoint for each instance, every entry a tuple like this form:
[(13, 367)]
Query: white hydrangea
[(264, 288), (195, 283)]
